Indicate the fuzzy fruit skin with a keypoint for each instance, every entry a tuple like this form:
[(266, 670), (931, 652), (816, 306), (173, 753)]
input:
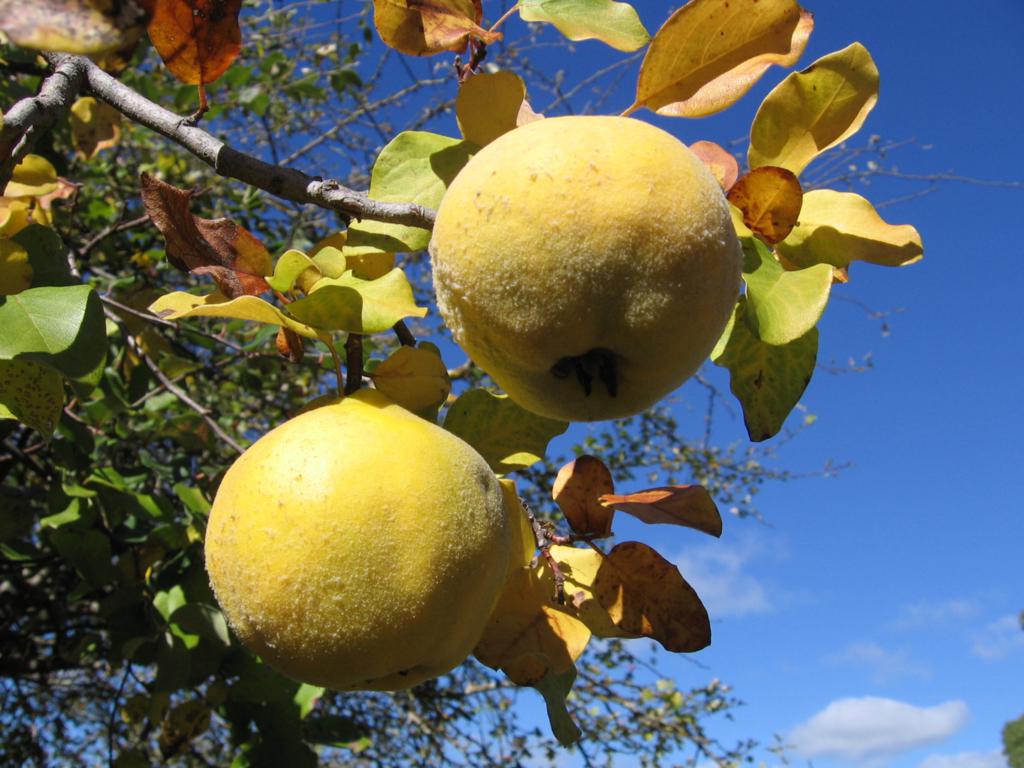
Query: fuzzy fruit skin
[(358, 546), (571, 234)]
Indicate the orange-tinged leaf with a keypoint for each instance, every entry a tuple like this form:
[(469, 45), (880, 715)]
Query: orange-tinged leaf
[(290, 345), (711, 52), (646, 595), (95, 126), (85, 27), (415, 378), (197, 39), (488, 105), (815, 109), (722, 164), (838, 228), (688, 505), (226, 251), (577, 489), (769, 199), (527, 115), (426, 27), (527, 636)]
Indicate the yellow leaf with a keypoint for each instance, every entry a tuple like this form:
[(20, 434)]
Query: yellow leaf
[(32, 177), (426, 27), (579, 567), (841, 227), (815, 109), (76, 26), (522, 544), (14, 215), (178, 305), (769, 199), (488, 105), (415, 378), (334, 257), (95, 126), (15, 270), (711, 52), (527, 635)]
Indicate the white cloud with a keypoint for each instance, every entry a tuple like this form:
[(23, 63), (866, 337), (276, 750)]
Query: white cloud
[(868, 728), (930, 613), (883, 665), (993, 759), (719, 574), (999, 639)]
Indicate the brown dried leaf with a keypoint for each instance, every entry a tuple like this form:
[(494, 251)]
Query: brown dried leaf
[(426, 27), (85, 27), (577, 489), (723, 166), (770, 199), (527, 636), (236, 260), (645, 595), (687, 505), (197, 39), (290, 345)]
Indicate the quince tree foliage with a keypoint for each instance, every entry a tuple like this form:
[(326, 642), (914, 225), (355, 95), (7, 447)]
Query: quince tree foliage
[(215, 218)]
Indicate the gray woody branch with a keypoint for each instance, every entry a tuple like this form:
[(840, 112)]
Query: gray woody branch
[(74, 73)]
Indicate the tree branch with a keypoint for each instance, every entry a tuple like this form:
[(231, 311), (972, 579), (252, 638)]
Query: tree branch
[(31, 116), (286, 183)]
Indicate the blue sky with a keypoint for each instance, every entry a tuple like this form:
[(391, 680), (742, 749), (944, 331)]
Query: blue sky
[(872, 619)]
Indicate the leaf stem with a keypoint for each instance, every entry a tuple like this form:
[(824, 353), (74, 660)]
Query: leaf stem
[(340, 387), (631, 109), (505, 17)]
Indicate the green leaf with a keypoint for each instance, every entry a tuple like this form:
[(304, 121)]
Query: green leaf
[(88, 552), (415, 167), (31, 393), (178, 305), (838, 228), (505, 434), (347, 303), (47, 255), (332, 730), (203, 620), (813, 110), (306, 698), (555, 689), (288, 269), (616, 24), (767, 380), (59, 326), (782, 305)]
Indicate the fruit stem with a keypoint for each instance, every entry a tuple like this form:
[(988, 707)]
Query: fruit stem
[(405, 337), (353, 363)]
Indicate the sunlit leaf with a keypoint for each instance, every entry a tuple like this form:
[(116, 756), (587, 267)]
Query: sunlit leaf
[(687, 505), (179, 305), (293, 267), (95, 126), (767, 380), (722, 164), (15, 269), (32, 177), (61, 327), (236, 260), (197, 39), (14, 215), (426, 27), (579, 567), (711, 52), (85, 27), (838, 228), (769, 199), (415, 167), (505, 434), (527, 636), (488, 105), (290, 345), (347, 303), (782, 305), (31, 393), (415, 378), (522, 543), (813, 110), (614, 23), (334, 256), (576, 490), (646, 595)]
